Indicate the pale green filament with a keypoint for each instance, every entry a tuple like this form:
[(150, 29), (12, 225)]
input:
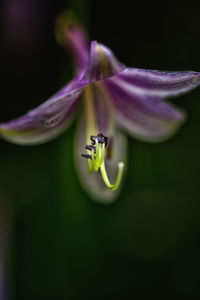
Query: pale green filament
[(98, 152), (89, 166), (94, 161), (102, 154), (97, 162)]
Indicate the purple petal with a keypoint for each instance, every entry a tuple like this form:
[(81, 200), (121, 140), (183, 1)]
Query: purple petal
[(93, 183), (161, 84), (73, 36), (46, 121), (102, 63), (102, 108), (146, 117)]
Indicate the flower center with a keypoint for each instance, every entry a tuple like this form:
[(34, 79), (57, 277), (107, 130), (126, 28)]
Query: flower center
[(96, 159)]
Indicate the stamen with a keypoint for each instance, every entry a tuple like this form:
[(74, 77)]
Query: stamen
[(89, 166), (96, 160), (100, 139), (98, 150), (102, 154), (93, 139), (94, 163), (90, 148), (100, 135), (87, 156)]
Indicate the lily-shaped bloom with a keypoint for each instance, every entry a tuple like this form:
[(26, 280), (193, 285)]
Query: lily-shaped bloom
[(111, 98)]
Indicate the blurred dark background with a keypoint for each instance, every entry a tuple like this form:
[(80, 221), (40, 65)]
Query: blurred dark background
[(55, 242)]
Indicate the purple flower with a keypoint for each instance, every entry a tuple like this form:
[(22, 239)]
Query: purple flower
[(108, 98)]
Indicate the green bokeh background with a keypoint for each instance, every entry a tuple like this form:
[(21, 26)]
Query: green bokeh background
[(59, 243)]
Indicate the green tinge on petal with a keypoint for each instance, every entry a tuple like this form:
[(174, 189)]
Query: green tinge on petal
[(34, 136), (15, 133), (102, 63)]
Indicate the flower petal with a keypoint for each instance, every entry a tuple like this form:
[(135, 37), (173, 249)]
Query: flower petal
[(157, 83), (102, 108), (47, 120), (102, 63), (116, 152), (146, 117), (72, 35)]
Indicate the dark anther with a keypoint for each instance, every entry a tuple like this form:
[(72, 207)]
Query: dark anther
[(90, 148), (87, 156), (93, 142), (102, 139)]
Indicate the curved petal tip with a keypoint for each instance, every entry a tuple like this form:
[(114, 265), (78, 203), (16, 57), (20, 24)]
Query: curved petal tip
[(102, 63)]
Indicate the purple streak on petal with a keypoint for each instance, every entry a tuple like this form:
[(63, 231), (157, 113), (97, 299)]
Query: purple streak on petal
[(102, 63), (46, 121), (145, 117), (157, 83), (27, 131), (74, 37), (147, 103), (57, 104), (102, 109), (79, 46)]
